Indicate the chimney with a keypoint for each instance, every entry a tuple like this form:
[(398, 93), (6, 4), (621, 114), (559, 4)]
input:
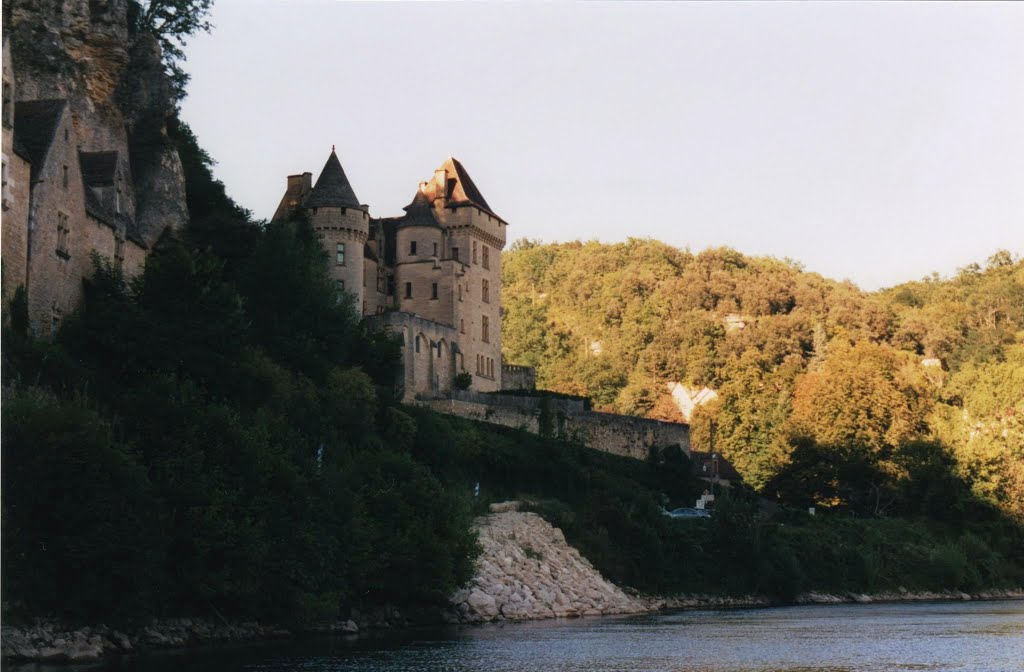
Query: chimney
[(441, 185), (300, 185)]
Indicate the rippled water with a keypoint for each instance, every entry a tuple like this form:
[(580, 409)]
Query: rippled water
[(973, 636)]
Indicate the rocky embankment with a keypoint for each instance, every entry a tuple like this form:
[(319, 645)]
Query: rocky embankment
[(528, 571)]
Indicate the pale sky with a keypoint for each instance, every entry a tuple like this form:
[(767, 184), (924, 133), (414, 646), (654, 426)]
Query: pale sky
[(875, 142)]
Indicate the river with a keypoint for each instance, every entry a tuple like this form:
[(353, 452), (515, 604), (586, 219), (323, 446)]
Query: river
[(966, 636)]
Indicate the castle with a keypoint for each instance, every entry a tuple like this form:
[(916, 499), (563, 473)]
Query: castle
[(432, 275)]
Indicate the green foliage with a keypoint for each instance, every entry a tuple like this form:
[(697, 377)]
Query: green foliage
[(463, 380), (171, 22), (818, 375)]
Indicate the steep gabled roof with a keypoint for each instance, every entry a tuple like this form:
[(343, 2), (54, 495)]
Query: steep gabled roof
[(35, 123), (332, 188), (98, 168)]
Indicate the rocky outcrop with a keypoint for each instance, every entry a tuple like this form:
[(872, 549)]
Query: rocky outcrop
[(86, 51), (47, 641), (528, 571)]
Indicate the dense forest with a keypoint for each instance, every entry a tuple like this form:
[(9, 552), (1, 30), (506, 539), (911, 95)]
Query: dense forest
[(827, 395)]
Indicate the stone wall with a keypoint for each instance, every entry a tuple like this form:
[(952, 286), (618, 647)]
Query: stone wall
[(515, 377), (569, 419)]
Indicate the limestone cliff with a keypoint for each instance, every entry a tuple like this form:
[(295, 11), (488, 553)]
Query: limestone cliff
[(86, 51)]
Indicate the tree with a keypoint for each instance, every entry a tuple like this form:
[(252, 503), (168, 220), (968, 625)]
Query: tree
[(172, 22)]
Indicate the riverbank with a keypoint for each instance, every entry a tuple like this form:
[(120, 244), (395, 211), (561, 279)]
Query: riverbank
[(526, 571)]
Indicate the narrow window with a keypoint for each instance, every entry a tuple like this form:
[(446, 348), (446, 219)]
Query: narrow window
[(433, 290), (485, 330), (435, 249), (339, 290), (8, 103), (65, 178), (391, 285), (340, 254), (462, 326), (412, 247), (486, 289), (119, 253), (474, 251), (117, 200), (417, 344), (63, 233), (455, 253), (487, 257), (459, 285), (408, 290)]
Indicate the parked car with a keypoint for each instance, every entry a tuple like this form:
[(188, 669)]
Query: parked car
[(690, 513)]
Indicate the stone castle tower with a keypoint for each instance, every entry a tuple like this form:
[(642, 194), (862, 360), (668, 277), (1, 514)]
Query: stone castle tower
[(432, 274)]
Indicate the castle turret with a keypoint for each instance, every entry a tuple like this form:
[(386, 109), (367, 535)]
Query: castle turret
[(343, 225)]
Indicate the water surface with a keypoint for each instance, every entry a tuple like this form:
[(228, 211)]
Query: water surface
[(969, 636)]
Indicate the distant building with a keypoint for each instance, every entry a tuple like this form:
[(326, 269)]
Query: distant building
[(432, 275)]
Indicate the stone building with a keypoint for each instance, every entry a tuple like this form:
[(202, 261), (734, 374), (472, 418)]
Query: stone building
[(61, 205), (88, 167), (432, 275)]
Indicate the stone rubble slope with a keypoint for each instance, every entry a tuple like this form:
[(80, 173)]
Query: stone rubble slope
[(527, 571)]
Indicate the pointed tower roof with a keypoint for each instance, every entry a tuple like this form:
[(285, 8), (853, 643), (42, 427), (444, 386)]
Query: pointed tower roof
[(332, 189)]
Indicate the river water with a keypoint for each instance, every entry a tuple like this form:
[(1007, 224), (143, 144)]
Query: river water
[(968, 636)]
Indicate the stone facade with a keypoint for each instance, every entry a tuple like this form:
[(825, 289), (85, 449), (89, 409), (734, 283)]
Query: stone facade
[(440, 263), (16, 178)]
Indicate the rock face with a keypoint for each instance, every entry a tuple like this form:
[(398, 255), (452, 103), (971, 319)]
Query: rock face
[(528, 571), (86, 51)]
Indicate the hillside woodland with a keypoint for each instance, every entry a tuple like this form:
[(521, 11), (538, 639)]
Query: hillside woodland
[(870, 403)]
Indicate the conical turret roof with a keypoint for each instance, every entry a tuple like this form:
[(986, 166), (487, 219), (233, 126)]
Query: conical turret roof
[(332, 188)]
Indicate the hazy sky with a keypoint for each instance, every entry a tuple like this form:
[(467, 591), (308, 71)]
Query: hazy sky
[(875, 142)]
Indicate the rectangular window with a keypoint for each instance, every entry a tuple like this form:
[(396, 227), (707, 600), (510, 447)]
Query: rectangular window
[(474, 251), (486, 291), (485, 330), (435, 249), (433, 290), (459, 285), (462, 326), (455, 253), (412, 247), (339, 258), (65, 178), (391, 285), (408, 290), (487, 257), (119, 254)]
